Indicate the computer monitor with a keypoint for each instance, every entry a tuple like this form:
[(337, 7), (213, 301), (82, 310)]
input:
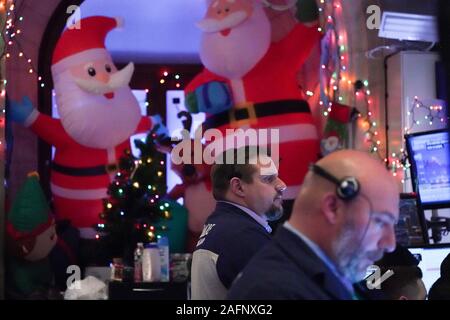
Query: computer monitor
[(430, 259), (411, 229), (429, 155)]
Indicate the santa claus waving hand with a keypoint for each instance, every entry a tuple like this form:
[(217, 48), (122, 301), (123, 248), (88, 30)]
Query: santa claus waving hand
[(98, 114)]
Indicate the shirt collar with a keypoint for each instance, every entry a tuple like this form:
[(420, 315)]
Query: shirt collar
[(262, 220), (319, 252)]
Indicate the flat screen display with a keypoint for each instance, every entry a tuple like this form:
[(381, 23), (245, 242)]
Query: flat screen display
[(429, 154)]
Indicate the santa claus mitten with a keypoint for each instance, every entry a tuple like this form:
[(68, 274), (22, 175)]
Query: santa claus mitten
[(158, 126), (307, 11), (23, 111), (212, 98)]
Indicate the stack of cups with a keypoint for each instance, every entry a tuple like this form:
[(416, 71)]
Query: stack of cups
[(151, 263)]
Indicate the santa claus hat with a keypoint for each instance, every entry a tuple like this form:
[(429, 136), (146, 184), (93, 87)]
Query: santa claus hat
[(85, 43), (342, 113)]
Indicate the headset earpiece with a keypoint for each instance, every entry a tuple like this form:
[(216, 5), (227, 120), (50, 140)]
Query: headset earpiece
[(346, 188)]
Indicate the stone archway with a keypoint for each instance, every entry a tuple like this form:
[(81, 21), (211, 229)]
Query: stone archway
[(42, 23)]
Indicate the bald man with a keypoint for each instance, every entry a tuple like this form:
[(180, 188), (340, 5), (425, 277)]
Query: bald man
[(342, 221)]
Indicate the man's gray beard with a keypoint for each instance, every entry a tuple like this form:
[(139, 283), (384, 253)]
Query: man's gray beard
[(347, 257)]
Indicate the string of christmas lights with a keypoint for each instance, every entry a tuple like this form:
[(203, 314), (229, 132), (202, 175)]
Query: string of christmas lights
[(370, 126), (13, 32), (434, 113), (399, 161), (334, 76), (168, 78), (3, 17), (396, 161), (336, 81), (333, 57)]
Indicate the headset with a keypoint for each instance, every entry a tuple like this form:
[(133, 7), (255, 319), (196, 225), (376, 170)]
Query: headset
[(347, 188)]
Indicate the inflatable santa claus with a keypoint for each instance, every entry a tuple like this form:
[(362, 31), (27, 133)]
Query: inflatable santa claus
[(98, 114), (252, 51)]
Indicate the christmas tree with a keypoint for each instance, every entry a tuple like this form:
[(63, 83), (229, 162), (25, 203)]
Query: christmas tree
[(136, 209)]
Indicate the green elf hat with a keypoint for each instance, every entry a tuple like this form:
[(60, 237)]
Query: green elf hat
[(30, 213)]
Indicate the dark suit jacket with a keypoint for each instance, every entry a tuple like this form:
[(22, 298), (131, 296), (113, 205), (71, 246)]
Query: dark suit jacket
[(287, 269), (230, 238)]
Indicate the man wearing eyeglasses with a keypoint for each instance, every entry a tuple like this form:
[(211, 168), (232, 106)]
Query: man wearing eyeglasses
[(343, 220), (249, 194)]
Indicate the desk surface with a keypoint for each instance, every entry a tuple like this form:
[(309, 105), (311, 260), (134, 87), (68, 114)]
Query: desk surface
[(148, 290)]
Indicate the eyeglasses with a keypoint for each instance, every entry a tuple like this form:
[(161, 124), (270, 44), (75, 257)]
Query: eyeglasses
[(380, 218)]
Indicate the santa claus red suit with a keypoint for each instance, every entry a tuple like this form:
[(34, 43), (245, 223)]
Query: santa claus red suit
[(236, 50), (98, 114)]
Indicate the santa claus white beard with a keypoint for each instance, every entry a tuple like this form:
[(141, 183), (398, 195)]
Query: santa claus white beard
[(93, 120), (232, 56)]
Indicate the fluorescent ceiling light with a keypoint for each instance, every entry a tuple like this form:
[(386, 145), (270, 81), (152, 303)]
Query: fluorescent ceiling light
[(404, 26)]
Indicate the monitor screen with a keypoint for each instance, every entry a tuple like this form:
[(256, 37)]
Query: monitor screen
[(430, 259), (428, 153), (411, 227)]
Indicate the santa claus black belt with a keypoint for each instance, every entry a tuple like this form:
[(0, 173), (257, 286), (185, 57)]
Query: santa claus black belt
[(84, 172), (247, 114)]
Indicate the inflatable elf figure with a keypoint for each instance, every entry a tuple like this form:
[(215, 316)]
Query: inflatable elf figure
[(30, 236)]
